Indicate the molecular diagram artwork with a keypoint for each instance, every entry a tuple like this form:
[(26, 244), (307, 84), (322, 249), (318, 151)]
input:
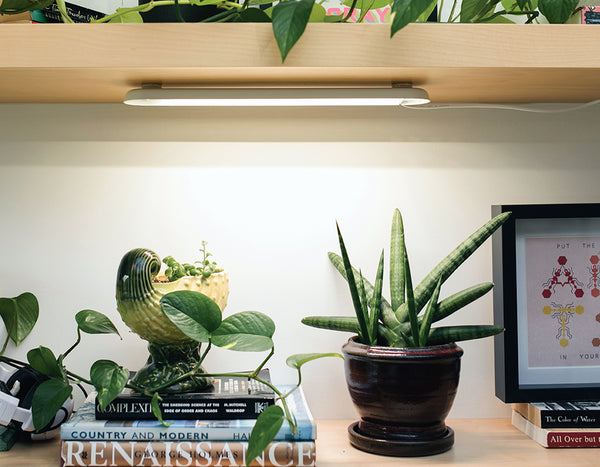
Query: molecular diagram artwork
[(563, 276), (563, 316)]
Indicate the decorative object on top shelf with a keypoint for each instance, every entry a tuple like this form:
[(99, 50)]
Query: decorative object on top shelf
[(176, 321), (547, 297), (402, 373), (290, 17)]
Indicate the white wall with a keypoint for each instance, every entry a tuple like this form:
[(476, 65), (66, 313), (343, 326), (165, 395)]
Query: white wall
[(82, 184)]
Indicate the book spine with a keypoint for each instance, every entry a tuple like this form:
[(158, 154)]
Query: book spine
[(569, 419), (566, 439), (306, 432), (139, 408), (169, 454)]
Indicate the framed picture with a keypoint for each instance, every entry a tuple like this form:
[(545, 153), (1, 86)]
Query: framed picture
[(546, 261)]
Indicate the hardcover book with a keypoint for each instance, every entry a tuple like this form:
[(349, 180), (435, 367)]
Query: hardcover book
[(228, 397), (557, 437), (579, 414), (83, 426), (201, 453)]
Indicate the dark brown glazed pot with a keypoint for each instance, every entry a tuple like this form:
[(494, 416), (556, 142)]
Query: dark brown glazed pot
[(403, 396)]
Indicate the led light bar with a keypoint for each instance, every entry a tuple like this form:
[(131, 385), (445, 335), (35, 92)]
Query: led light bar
[(156, 96)]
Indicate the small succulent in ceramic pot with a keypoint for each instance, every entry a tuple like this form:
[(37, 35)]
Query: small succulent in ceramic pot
[(402, 373)]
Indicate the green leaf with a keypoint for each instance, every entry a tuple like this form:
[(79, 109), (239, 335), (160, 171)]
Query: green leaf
[(266, 427), (427, 13), (297, 360), (428, 316), (410, 303), (470, 8), (317, 14), (154, 404), (397, 261), (19, 315), (194, 314), (557, 11), (451, 262), (289, 22), (407, 11), (252, 15), (447, 334), (376, 302), (93, 322), (363, 334), (109, 379), (47, 400), (43, 360), (248, 331), (13, 7), (128, 17)]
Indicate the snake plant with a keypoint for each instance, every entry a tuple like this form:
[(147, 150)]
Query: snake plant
[(399, 322)]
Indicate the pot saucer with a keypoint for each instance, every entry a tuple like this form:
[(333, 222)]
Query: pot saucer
[(397, 448)]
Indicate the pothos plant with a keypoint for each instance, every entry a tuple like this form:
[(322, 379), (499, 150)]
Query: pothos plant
[(196, 315), (290, 17)]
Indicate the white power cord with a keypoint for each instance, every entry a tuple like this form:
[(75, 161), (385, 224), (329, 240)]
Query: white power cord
[(501, 107)]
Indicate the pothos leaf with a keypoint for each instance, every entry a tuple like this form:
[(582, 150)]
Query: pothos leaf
[(266, 427), (154, 403), (43, 360), (19, 315), (47, 400), (93, 322), (109, 379), (297, 360), (247, 331), (557, 11), (407, 11), (289, 22), (194, 314), (13, 7)]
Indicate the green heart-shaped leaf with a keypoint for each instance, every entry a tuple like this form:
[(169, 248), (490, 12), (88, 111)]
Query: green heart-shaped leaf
[(43, 360), (19, 315), (194, 314), (93, 322), (266, 427), (109, 379), (297, 360), (248, 331), (47, 400), (289, 20), (407, 11), (557, 11)]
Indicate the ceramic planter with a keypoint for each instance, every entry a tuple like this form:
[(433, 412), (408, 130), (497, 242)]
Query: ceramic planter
[(403, 396)]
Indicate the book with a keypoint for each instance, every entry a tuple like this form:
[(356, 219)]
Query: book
[(83, 426), (228, 397), (577, 414), (557, 437), (178, 453)]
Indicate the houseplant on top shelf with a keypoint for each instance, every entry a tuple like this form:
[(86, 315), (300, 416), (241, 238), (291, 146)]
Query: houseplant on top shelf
[(290, 17), (401, 372)]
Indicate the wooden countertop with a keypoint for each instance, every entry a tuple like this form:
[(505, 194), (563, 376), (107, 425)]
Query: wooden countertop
[(479, 442)]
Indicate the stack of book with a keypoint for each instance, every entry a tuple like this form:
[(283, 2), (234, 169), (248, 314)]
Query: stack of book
[(204, 429), (559, 424)]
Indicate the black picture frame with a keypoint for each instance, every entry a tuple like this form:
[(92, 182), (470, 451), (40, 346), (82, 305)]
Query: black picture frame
[(516, 380)]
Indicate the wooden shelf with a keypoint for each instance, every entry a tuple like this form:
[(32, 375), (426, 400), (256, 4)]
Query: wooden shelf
[(453, 62), (478, 443)]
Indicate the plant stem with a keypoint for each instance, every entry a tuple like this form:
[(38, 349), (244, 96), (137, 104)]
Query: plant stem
[(62, 8), (75, 344)]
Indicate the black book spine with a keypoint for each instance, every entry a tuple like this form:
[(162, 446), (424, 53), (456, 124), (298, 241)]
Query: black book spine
[(570, 418), (139, 408)]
